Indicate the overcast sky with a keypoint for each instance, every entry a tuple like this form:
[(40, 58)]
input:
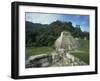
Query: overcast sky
[(46, 18)]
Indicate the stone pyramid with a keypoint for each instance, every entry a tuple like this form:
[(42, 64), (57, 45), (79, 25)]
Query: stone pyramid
[(68, 42)]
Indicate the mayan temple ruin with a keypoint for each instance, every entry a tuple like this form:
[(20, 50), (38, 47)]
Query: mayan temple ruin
[(61, 55)]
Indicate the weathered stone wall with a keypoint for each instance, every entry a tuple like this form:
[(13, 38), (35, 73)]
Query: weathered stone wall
[(42, 60)]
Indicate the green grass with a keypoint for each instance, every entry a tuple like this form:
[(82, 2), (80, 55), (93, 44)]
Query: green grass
[(83, 53), (84, 45), (37, 50), (82, 56)]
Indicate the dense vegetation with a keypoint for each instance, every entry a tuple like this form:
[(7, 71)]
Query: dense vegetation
[(39, 35)]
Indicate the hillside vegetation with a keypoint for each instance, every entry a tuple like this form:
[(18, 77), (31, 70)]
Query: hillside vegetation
[(45, 34)]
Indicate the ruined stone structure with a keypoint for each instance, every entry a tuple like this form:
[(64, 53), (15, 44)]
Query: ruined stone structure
[(66, 41), (42, 60), (59, 57)]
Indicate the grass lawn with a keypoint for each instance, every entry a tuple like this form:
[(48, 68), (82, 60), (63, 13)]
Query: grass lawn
[(37, 50), (84, 51), (82, 56)]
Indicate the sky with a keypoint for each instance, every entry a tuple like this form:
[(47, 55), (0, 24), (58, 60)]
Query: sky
[(47, 18)]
